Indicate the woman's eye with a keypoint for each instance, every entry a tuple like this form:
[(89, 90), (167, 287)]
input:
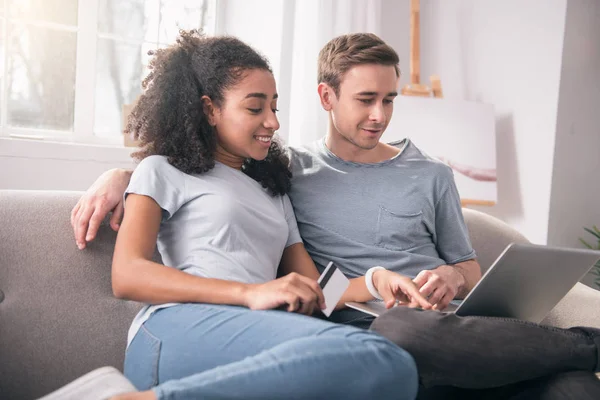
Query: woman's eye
[(275, 110), (255, 110)]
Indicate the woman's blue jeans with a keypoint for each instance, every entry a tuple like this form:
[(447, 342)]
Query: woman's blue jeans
[(201, 351)]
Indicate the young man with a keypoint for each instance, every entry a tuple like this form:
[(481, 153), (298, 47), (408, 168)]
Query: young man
[(362, 203)]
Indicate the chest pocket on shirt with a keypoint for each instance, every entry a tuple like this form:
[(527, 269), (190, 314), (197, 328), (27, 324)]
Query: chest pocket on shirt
[(399, 231)]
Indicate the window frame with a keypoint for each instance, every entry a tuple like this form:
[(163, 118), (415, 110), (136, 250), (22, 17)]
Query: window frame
[(85, 76)]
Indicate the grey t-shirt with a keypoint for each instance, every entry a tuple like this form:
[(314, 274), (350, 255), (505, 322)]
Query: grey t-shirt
[(221, 224), (403, 213)]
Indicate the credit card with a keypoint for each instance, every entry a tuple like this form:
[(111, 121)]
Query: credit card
[(333, 284)]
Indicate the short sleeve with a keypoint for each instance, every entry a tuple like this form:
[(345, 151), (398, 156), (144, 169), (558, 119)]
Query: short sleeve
[(290, 217), (452, 237), (156, 178)]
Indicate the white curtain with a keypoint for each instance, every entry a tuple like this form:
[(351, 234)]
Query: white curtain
[(310, 24), (291, 33)]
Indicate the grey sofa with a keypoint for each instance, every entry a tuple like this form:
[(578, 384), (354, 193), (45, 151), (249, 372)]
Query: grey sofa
[(59, 320)]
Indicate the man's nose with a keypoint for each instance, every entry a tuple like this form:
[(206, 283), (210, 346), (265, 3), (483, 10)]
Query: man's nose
[(377, 114)]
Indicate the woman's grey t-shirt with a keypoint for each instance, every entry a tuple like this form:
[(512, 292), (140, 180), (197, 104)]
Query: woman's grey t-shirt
[(221, 224), (403, 213)]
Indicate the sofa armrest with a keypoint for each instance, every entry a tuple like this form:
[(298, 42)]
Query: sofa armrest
[(490, 236), (580, 307)]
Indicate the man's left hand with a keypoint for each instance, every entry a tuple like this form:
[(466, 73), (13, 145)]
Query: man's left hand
[(440, 285)]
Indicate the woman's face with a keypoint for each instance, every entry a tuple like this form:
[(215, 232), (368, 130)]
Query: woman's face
[(246, 121)]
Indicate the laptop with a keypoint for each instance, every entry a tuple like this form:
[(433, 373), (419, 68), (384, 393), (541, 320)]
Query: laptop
[(525, 282)]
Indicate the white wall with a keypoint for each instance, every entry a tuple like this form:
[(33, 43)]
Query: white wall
[(506, 53), (575, 195)]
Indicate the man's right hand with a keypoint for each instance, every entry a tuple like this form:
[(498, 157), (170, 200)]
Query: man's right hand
[(104, 196), (397, 288)]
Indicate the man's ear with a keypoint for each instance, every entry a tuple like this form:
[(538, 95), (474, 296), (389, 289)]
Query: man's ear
[(210, 110), (327, 96)]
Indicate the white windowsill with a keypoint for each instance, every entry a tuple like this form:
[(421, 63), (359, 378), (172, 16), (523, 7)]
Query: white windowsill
[(42, 149)]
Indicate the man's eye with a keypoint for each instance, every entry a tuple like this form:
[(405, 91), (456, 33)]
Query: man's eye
[(255, 110), (366, 101), (387, 101)]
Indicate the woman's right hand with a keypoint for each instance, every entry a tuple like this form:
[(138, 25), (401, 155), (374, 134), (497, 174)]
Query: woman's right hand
[(296, 292)]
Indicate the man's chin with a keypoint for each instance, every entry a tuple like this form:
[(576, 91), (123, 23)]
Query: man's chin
[(368, 143)]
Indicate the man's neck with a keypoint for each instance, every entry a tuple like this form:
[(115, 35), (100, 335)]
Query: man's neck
[(348, 151)]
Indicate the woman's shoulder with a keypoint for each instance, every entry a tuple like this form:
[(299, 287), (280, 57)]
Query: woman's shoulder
[(157, 164), (156, 168), (154, 162)]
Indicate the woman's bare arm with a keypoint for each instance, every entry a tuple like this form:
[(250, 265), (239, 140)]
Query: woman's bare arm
[(136, 277)]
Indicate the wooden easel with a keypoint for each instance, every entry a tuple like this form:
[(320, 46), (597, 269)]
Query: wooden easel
[(415, 88)]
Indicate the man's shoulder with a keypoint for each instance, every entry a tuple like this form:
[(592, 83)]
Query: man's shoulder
[(431, 172), (303, 156), (420, 158), (305, 150)]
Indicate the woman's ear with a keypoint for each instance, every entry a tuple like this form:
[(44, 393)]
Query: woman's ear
[(326, 95), (210, 110)]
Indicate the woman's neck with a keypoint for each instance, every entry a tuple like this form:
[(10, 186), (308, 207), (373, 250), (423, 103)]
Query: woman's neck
[(224, 157)]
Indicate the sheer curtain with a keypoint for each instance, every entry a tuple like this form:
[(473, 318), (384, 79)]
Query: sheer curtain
[(291, 33), (307, 26)]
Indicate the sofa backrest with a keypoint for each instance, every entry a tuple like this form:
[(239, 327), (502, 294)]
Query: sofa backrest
[(59, 318)]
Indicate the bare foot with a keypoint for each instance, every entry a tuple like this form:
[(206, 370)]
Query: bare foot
[(147, 395)]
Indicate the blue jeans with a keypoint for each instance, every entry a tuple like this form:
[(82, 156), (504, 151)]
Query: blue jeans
[(200, 351)]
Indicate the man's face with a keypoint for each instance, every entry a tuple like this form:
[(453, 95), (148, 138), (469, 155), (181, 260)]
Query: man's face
[(364, 107)]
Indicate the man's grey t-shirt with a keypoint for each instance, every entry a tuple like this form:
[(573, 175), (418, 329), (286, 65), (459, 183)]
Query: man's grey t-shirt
[(403, 213), (220, 224)]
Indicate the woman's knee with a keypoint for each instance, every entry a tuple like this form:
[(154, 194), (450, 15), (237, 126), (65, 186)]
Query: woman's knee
[(398, 379), (391, 372)]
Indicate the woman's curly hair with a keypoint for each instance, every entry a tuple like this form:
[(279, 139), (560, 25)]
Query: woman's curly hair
[(169, 120)]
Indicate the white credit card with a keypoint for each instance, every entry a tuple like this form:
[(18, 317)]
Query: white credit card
[(333, 284)]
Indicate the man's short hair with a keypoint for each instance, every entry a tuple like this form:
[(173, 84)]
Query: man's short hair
[(344, 52)]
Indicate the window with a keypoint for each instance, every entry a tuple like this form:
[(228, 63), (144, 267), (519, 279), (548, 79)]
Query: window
[(67, 67)]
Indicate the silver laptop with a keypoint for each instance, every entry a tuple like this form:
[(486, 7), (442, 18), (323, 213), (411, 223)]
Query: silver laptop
[(525, 282)]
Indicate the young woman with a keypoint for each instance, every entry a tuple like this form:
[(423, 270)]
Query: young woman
[(210, 191)]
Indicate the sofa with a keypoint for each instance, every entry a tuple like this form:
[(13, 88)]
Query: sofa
[(59, 319)]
